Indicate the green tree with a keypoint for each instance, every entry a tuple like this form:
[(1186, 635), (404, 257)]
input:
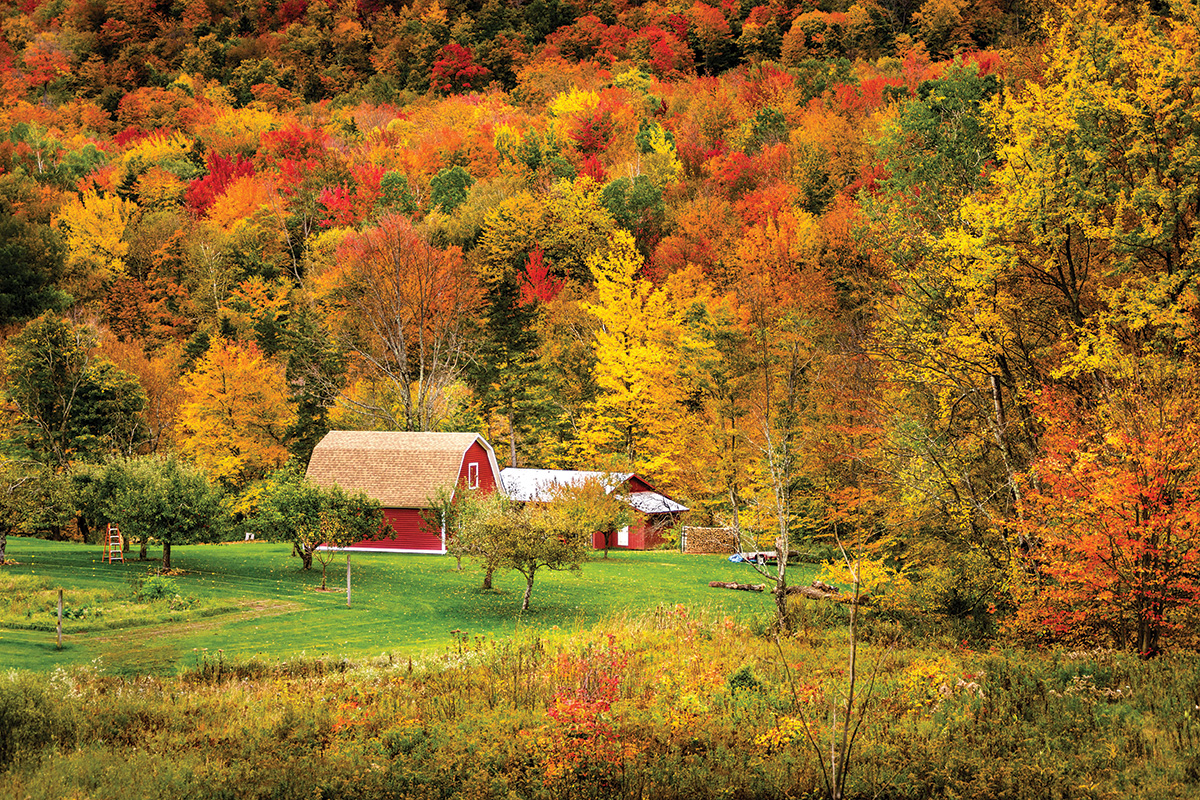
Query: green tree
[(164, 498), (478, 527), (34, 501), (31, 256), (70, 403), (448, 189), (637, 206), (528, 538), (290, 509), (506, 374), (315, 373)]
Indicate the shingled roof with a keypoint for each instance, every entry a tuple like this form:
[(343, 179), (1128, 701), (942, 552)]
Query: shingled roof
[(399, 469)]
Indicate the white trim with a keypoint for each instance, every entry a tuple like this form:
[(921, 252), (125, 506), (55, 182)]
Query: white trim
[(441, 552)]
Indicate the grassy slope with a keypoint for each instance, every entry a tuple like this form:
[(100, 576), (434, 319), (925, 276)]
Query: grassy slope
[(402, 604)]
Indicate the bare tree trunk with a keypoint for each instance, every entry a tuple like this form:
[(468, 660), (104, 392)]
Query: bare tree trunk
[(166, 559), (487, 577), (528, 590), (512, 438)]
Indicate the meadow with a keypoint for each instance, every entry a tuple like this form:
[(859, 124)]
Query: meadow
[(250, 599), (630, 680)]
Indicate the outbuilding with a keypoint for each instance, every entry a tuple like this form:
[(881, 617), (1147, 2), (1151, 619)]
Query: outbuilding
[(404, 471), (658, 512)]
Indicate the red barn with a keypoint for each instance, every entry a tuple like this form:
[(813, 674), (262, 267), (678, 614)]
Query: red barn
[(658, 512), (404, 471)]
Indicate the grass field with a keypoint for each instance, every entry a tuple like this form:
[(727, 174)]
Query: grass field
[(252, 600)]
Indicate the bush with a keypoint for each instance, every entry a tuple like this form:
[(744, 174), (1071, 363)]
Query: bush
[(31, 720), (156, 587)]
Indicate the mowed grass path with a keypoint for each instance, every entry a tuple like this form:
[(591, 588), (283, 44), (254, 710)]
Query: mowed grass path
[(401, 604)]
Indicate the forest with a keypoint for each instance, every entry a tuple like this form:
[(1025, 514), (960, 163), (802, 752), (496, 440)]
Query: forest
[(916, 277)]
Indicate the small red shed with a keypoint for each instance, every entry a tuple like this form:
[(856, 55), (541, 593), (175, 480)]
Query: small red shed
[(658, 512), (404, 471)]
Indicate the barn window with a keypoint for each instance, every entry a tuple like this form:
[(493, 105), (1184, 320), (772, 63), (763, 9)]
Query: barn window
[(473, 475)]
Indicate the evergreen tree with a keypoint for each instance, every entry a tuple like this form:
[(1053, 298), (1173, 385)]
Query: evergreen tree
[(506, 374)]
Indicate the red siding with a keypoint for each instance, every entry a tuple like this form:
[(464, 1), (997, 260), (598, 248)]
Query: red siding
[(643, 536), (408, 531), (477, 455), (636, 484)]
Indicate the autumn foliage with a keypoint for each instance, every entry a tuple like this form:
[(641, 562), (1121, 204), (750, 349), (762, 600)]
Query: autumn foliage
[(939, 256)]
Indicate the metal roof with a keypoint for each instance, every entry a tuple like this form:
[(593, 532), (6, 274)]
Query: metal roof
[(536, 485), (655, 503)]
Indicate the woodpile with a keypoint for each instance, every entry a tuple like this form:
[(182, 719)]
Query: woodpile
[(709, 541)]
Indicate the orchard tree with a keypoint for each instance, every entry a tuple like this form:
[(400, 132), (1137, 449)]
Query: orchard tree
[(556, 536), (291, 509), (528, 538), (479, 527), (597, 504), (161, 497)]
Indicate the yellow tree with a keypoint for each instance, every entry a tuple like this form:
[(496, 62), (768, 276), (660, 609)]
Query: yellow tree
[(235, 414), (637, 351), (1095, 201), (1084, 227), (786, 307), (94, 228)]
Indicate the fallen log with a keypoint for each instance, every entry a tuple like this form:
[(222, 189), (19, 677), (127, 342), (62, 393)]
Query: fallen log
[(745, 587), (823, 591), (813, 593)]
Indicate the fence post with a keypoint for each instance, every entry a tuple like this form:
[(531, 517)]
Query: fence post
[(60, 619), (347, 580)]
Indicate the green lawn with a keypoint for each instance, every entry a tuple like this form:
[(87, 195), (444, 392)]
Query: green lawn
[(402, 604)]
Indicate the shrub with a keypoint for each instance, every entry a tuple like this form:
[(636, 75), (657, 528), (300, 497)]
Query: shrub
[(156, 587), (31, 720)]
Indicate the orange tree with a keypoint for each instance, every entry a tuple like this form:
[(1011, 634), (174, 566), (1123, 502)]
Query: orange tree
[(402, 307), (1111, 512)]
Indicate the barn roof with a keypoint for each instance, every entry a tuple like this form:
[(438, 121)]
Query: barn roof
[(399, 469), (525, 485)]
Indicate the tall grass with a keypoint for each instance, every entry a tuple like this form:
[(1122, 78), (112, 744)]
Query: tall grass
[(672, 703)]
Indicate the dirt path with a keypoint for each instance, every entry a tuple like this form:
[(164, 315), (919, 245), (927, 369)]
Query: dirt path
[(169, 630), (161, 648)]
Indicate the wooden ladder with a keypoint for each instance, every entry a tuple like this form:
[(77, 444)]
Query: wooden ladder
[(114, 550)]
